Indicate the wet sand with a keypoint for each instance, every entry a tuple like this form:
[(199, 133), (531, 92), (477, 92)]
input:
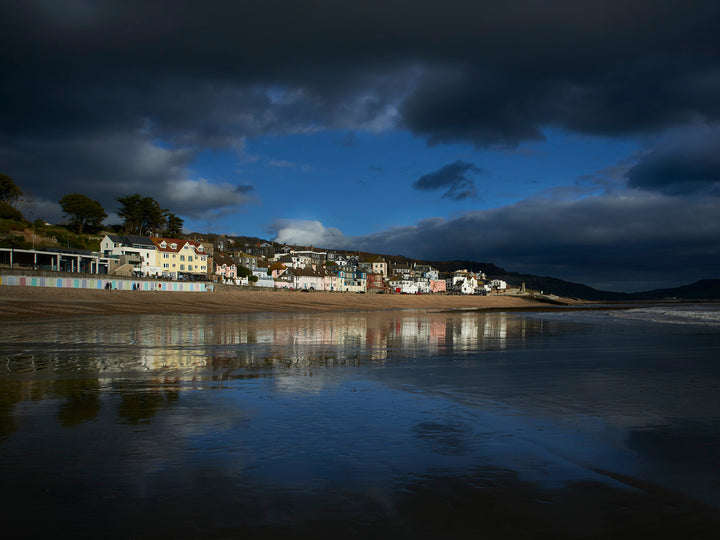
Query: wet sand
[(471, 427), (42, 302)]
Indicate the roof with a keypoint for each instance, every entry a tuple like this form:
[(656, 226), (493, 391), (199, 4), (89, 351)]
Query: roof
[(179, 245), (134, 240), (221, 259), (308, 272)]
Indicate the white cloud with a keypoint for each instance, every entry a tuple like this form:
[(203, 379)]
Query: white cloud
[(306, 233)]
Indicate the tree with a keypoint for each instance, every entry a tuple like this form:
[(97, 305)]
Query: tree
[(10, 192), (85, 214), (174, 225), (243, 271), (7, 211), (141, 214)]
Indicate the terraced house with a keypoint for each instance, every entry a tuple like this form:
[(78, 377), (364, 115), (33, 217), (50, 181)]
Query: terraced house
[(377, 265), (350, 278), (225, 267)]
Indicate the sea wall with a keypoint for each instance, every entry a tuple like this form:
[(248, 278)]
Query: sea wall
[(102, 283)]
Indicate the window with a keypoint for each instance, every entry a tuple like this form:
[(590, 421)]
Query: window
[(190, 258), (166, 255), (182, 257), (166, 265), (182, 267)]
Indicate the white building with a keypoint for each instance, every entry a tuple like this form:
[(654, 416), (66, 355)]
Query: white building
[(464, 282), (264, 280), (498, 284), (138, 252)]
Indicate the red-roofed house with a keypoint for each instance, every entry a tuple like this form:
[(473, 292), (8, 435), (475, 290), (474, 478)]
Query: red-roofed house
[(178, 257)]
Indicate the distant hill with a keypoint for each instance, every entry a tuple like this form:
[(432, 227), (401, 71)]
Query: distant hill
[(706, 289), (548, 285), (568, 289)]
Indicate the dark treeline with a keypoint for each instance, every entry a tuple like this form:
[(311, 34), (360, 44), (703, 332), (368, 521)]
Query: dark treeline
[(141, 215)]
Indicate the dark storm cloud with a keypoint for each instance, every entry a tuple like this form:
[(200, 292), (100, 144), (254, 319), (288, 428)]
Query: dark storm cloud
[(206, 74), (617, 242), (623, 242), (477, 71), (688, 162), (454, 178), (501, 105)]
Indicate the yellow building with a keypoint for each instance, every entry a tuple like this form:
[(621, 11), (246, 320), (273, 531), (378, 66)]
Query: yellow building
[(179, 257)]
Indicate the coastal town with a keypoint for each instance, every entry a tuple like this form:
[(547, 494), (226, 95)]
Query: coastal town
[(261, 265)]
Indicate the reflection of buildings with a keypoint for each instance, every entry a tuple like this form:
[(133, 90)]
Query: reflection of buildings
[(102, 355), (339, 338), (200, 342)]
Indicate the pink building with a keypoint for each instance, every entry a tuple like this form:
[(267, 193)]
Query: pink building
[(437, 285), (277, 269), (224, 267)]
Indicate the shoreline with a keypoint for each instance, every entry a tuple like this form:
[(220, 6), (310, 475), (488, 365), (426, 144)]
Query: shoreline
[(18, 302)]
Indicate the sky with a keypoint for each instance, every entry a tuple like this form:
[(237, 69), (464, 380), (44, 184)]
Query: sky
[(578, 140)]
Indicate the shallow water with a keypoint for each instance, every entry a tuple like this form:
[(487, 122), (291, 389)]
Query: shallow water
[(562, 424)]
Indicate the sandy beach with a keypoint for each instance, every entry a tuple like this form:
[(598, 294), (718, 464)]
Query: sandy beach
[(43, 302)]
